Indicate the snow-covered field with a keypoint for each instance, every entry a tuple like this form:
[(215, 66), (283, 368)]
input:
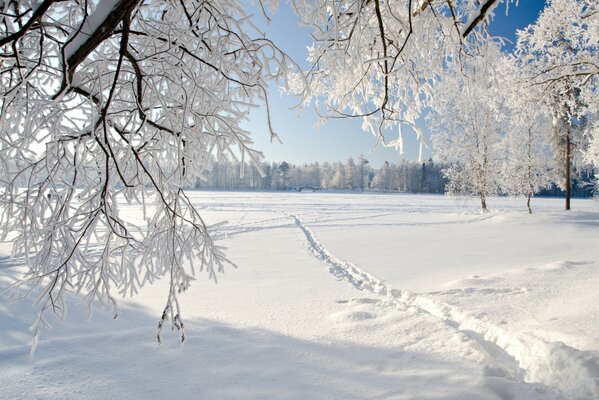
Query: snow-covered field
[(344, 296)]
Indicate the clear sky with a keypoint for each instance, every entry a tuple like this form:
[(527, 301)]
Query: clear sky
[(339, 139)]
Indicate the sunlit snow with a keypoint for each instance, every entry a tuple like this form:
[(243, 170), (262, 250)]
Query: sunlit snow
[(344, 296)]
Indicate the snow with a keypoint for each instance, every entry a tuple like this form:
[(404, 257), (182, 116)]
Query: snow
[(344, 296), (89, 27)]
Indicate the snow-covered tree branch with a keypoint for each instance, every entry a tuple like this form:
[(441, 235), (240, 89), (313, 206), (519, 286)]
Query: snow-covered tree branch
[(120, 101), (379, 61), (107, 104)]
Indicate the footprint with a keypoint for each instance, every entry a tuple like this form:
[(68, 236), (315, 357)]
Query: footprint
[(352, 316)]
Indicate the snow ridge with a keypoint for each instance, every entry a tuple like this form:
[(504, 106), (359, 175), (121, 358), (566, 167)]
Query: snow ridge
[(525, 357)]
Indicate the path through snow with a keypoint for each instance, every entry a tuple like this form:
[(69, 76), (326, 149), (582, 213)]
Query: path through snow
[(522, 357)]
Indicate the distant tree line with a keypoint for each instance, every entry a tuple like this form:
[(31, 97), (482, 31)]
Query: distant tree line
[(357, 175), (584, 183)]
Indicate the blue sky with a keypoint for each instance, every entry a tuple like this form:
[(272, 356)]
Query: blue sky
[(339, 139)]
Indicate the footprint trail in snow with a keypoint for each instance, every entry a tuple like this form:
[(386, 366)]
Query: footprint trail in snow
[(521, 357)]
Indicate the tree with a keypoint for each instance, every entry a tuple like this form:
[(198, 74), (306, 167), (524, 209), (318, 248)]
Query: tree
[(559, 55), (434, 180), (401, 176), (468, 122), (528, 167), (338, 181), (362, 163), (377, 60), (422, 185), (283, 171), (326, 176), (567, 138), (592, 154), (120, 100), (350, 174)]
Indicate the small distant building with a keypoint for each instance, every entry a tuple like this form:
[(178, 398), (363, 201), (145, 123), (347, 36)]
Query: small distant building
[(307, 189)]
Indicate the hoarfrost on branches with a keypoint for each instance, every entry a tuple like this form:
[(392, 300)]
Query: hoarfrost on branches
[(112, 100), (468, 123), (528, 166), (380, 61), (560, 55)]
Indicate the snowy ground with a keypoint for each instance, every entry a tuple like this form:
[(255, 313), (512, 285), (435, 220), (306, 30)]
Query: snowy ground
[(345, 296)]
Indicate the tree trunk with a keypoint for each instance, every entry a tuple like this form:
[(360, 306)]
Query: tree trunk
[(568, 166), (483, 202), (531, 188)]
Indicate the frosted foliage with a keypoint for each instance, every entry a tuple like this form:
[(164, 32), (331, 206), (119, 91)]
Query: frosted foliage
[(108, 104), (121, 100), (560, 53), (528, 165), (592, 154), (379, 60), (469, 122)]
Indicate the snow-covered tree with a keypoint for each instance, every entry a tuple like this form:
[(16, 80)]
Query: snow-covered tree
[(326, 175), (351, 174), (120, 100), (468, 123), (385, 176), (338, 181), (284, 174), (378, 60), (528, 166), (106, 101), (401, 175), (362, 172), (560, 54), (568, 138)]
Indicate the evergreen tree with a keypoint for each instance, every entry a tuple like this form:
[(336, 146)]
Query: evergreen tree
[(284, 171)]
